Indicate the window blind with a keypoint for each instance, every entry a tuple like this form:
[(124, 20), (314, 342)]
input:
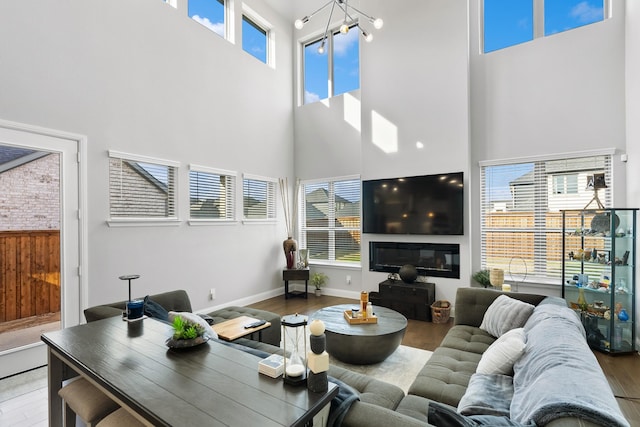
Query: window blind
[(259, 198), (330, 220), (521, 218), (211, 194), (141, 189)]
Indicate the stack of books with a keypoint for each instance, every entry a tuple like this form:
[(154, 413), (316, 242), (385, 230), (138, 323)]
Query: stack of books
[(272, 366)]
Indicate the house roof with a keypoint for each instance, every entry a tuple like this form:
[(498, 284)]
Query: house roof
[(12, 157)]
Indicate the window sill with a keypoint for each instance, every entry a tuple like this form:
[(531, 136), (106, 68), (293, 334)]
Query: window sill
[(259, 221), (143, 222), (204, 222), (336, 265)]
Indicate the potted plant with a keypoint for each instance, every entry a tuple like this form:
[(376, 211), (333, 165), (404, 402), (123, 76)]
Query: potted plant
[(186, 334), (482, 277), (319, 280)]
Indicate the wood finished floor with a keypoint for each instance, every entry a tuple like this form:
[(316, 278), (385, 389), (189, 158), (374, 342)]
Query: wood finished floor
[(622, 372)]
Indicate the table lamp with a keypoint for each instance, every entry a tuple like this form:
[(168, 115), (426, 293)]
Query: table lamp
[(137, 308)]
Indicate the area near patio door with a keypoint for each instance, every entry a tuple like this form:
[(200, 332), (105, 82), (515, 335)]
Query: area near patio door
[(29, 245)]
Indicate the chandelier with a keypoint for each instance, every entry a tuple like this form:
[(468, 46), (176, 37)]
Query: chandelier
[(347, 23)]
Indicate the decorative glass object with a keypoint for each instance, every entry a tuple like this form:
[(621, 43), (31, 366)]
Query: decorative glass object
[(304, 258), (294, 339)]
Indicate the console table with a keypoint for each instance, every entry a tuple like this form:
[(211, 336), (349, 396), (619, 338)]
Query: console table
[(211, 384), (411, 299), (295, 274)]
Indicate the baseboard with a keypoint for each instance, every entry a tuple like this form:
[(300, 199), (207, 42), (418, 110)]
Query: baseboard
[(245, 301)]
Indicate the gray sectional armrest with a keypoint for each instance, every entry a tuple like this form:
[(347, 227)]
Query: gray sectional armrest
[(471, 303)]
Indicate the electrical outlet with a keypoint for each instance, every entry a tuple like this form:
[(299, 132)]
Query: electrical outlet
[(348, 280), (212, 293)]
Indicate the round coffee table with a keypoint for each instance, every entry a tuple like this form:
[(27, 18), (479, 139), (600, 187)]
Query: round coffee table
[(361, 344)]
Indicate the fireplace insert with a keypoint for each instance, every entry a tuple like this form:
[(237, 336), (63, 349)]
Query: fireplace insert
[(430, 259)]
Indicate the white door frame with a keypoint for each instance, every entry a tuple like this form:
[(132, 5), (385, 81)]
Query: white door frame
[(73, 241)]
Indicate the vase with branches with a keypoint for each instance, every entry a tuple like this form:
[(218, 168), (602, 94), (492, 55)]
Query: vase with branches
[(290, 246)]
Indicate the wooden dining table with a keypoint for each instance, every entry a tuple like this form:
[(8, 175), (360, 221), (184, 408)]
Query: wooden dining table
[(208, 385)]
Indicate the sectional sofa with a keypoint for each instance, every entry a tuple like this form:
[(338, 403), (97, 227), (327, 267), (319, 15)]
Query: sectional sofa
[(553, 379), (542, 373)]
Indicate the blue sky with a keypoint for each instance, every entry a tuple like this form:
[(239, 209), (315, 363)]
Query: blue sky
[(509, 22)]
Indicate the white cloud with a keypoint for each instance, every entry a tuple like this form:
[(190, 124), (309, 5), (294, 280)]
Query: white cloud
[(584, 12), (342, 42), (310, 97), (217, 27)]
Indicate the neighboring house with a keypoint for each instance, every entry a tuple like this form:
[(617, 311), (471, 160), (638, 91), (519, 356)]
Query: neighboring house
[(30, 189)]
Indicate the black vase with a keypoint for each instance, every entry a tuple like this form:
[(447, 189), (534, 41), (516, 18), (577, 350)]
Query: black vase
[(408, 273)]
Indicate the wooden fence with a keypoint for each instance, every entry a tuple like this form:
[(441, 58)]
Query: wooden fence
[(29, 273)]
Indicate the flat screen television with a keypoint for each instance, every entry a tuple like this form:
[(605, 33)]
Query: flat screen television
[(427, 204)]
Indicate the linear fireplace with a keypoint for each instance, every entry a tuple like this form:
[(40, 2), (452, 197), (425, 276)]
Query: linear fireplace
[(430, 259)]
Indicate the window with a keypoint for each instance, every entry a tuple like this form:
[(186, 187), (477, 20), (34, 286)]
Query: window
[(259, 198), (209, 13), (324, 78), (511, 22), (171, 2), (211, 194), (566, 15), (507, 23), (521, 218), (141, 187), (565, 184), (254, 39), (330, 220)]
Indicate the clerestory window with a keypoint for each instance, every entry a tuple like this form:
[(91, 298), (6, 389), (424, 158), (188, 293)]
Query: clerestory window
[(331, 66), (510, 22)]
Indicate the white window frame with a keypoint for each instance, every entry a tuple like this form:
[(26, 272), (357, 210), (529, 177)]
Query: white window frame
[(222, 172), (268, 28), (331, 229), (229, 27), (539, 217), (272, 198), (172, 220)]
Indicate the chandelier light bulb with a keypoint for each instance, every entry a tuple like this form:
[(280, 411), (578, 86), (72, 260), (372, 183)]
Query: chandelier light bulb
[(367, 36), (321, 48), (299, 24), (344, 28), (378, 23)]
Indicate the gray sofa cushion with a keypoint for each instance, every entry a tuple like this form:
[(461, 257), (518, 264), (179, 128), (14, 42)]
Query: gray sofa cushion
[(467, 338), (445, 376)]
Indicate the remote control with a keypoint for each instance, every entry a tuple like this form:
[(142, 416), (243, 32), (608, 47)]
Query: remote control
[(255, 324)]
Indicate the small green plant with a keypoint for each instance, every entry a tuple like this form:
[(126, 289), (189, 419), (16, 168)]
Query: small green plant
[(185, 329), (319, 280), (482, 277)]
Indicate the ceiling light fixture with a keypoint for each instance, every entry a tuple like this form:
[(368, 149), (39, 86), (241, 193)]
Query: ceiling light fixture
[(347, 22)]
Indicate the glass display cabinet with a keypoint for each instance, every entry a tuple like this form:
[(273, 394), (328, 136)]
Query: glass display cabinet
[(598, 274)]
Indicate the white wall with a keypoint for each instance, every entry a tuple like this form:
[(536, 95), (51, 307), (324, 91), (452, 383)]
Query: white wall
[(414, 74), (141, 77), (632, 50)]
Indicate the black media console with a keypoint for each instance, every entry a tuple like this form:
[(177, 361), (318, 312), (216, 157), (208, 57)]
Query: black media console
[(411, 299)]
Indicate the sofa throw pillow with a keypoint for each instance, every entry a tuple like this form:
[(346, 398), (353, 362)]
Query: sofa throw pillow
[(504, 314), (192, 317), (503, 353), (155, 310)]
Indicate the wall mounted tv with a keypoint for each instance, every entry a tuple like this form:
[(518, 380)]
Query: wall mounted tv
[(428, 204)]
